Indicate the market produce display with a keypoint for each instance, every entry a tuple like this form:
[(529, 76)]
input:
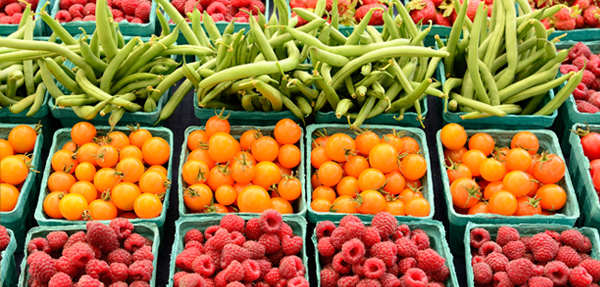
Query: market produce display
[(350, 11), (581, 58), (132, 11), (263, 251), (12, 11), (519, 180), (238, 11), (228, 169), (100, 177), (386, 253), (506, 65), (368, 174), (102, 255), (547, 258)]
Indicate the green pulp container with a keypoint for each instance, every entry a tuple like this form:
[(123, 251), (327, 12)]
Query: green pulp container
[(148, 230), (299, 204), (7, 266), (380, 130), (61, 137), (17, 219), (437, 239), (568, 215), (579, 168), (183, 225)]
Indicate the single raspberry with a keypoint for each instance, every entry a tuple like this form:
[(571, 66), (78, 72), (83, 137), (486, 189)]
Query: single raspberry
[(514, 250), (488, 248), (6, 20), (184, 260), (558, 272), (265, 267), (96, 268), (477, 259), (101, 235), (385, 223), (371, 236), (273, 276), (118, 272), (12, 9), (579, 49), (143, 11), (543, 247), (120, 255), (340, 265), (415, 277), (220, 280), (178, 276), (358, 268), (389, 280), (441, 274), (325, 247), (519, 270), (580, 277), (537, 270), (57, 239), (270, 220), (497, 261), (88, 281), (347, 281), (216, 243), (64, 265), (540, 282), (41, 266), (193, 244), (38, 244), (79, 254), (569, 256), (118, 14), (374, 268), (60, 279), (135, 20), (592, 266), (325, 229), (587, 246), (406, 247), (141, 270), (191, 280), (353, 251), (573, 238), (482, 273), (204, 266), (252, 230), (585, 107), (293, 245), (354, 230), (588, 78), (555, 235), (291, 266), (386, 251), (216, 8), (234, 272), (232, 252), (421, 239), (232, 222), (65, 4), (405, 264), (271, 242), (479, 236), (237, 238), (144, 253), (216, 257), (402, 231), (507, 234), (580, 62), (251, 270), (257, 6), (89, 9), (140, 283), (429, 260), (257, 250), (129, 6), (501, 279), (193, 235), (134, 242), (76, 11), (285, 230), (369, 283), (566, 68)]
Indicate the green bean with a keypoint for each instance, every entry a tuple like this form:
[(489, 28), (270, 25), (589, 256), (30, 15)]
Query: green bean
[(536, 90), (108, 43), (170, 80), (58, 29), (178, 19), (452, 105), (343, 107), (410, 99), (261, 40), (90, 112), (74, 100), (561, 96), (164, 25), (311, 94), (432, 66), (247, 102), (48, 80), (138, 85), (511, 45), (98, 65), (215, 93), (303, 105), (430, 90), (305, 77), (384, 104), (153, 52), (62, 77), (39, 95), (479, 106), (102, 96), (131, 79), (528, 82), (6, 101), (454, 37), (21, 105), (4, 73), (531, 59), (494, 98), (226, 61), (360, 28), (361, 91), (350, 87), (272, 94), (28, 65), (498, 35), (168, 62), (364, 112), (508, 109), (149, 105), (175, 100), (473, 56), (191, 74), (211, 28), (109, 108), (309, 16), (12, 83)]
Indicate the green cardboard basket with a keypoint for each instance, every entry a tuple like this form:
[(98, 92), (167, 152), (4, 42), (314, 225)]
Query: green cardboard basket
[(580, 35), (129, 29), (525, 230), (16, 220), (410, 118), (548, 142), (40, 28), (437, 240), (63, 136), (183, 225), (147, 230), (7, 266), (299, 204), (579, 168), (380, 130)]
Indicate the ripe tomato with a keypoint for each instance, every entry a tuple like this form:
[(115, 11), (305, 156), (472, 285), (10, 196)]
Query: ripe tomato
[(318, 156), (501, 154), (503, 203), (254, 199), (518, 159), (64, 160), (289, 156), (215, 208), (483, 142), (154, 182), (594, 167), (395, 207), (267, 174), (197, 197), (131, 168), (465, 192), (528, 206), (51, 203), (156, 151), (226, 194), (139, 136), (454, 156), (86, 189), (124, 194), (549, 169), (242, 171), (70, 146), (366, 141), (5, 149), (289, 188), (9, 196), (265, 149), (222, 147), (128, 215), (527, 141), (596, 181), (492, 188), (355, 165), (591, 145), (479, 208), (395, 183), (197, 139), (158, 168), (22, 138), (552, 197), (458, 170), (13, 170), (393, 139), (414, 166), (534, 186), (107, 156), (217, 123), (88, 153), (370, 179), (248, 138), (281, 205), (383, 157), (371, 202), (320, 205), (72, 206), (330, 173), (245, 156), (344, 204), (473, 159), (60, 181), (409, 145), (413, 183), (338, 146), (287, 132), (492, 170), (101, 209), (105, 179), (147, 205), (417, 207), (195, 171), (324, 192), (517, 182), (83, 132), (408, 194), (314, 181), (118, 139), (453, 136), (348, 185), (203, 155), (320, 138), (239, 187)]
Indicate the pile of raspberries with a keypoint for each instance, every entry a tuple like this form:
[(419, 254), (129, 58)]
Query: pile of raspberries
[(106, 255), (587, 93), (4, 239), (545, 259), (261, 252), (132, 11), (221, 10), (383, 255), (11, 11), (350, 11)]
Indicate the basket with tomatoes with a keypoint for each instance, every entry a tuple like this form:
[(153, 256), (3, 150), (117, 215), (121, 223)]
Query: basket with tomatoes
[(8, 245), (495, 176), (245, 169), (368, 170), (95, 173), (583, 168), (20, 156)]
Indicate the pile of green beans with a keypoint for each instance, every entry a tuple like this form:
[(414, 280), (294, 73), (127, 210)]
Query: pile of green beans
[(505, 64)]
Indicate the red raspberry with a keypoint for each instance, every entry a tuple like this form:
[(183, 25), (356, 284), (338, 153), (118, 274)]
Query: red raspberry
[(251, 270), (178, 276), (580, 62), (540, 282), (580, 277), (354, 230), (141, 270), (12, 9), (293, 245), (129, 6), (133, 21), (120, 255), (477, 259), (65, 4), (442, 274), (232, 252), (325, 247), (257, 250), (374, 268), (501, 279), (117, 14), (421, 239), (538, 270), (415, 277), (357, 268), (585, 107), (285, 230), (96, 268), (257, 6), (118, 272), (88, 281), (56, 240), (271, 243), (586, 247), (370, 236), (76, 11), (134, 242), (429, 260), (273, 276), (180, 5), (252, 230), (191, 280), (555, 235), (194, 244), (97, 251), (79, 254), (291, 266), (142, 284), (340, 265), (237, 238), (298, 281), (325, 229), (479, 236), (234, 272), (186, 257), (558, 272), (370, 283), (64, 265), (101, 235), (235, 284), (405, 264), (506, 234), (544, 247), (347, 281), (592, 266), (220, 279), (270, 220), (38, 244), (406, 247), (579, 49), (204, 266), (60, 279), (353, 251), (526, 241), (389, 280), (514, 250), (193, 235), (402, 231), (386, 251), (216, 243), (568, 255), (143, 11), (519, 271), (497, 261), (385, 223), (588, 78), (265, 267), (144, 253), (482, 273), (573, 238), (488, 248), (120, 225), (567, 68), (41, 266), (240, 3)]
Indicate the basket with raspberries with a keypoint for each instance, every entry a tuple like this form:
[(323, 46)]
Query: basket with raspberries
[(8, 245), (117, 254), (134, 17), (12, 12), (531, 255), (386, 253), (350, 12), (234, 251)]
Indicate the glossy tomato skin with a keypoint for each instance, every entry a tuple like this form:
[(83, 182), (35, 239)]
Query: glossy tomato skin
[(591, 145), (596, 180), (594, 166)]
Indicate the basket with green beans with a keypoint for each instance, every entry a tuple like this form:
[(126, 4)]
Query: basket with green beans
[(503, 66)]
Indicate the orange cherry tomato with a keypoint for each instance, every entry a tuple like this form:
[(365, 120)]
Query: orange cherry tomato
[(473, 159), (128, 215), (289, 156), (465, 192), (197, 139), (139, 136), (102, 210), (549, 169), (106, 179), (64, 160), (217, 123), (131, 151), (483, 142), (88, 152), (287, 132), (503, 203), (330, 173), (13, 170), (414, 166), (366, 141), (348, 185), (527, 141), (417, 207), (124, 194), (492, 169), (83, 132), (355, 165), (454, 156), (413, 183), (517, 182), (552, 197), (156, 151), (51, 204), (373, 202), (226, 194), (265, 149), (240, 186), (338, 146), (395, 208), (409, 146), (72, 206), (159, 168), (518, 159), (22, 138), (9, 196), (242, 171), (501, 154), (60, 181), (383, 157), (147, 205), (492, 188), (86, 189), (203, 155), (371, 179), (281, 205), (534, 186), (106, 156), (154, 182), (118, 139), (453, 136), (393, 139), (395, 183), (267, 174), (254, 199), (324, 192), (216, 208), (70, 146), (320, 205), (314, 181), (527, 206), (222, 147), (248, 138), (318, 156), (479, 208), (458, 170), (5, 149), (289, 188), (344, 204), (197, 197), (195, 171), (131, 168)]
